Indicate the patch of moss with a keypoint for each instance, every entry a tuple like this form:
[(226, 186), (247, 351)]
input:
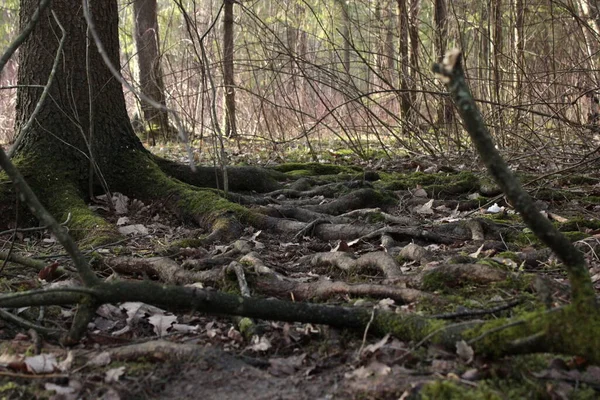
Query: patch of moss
[(185, 243), (449, 390), (524, 238), (578, 224), (510, 255), (589, 200), (551, 194), (436, 183), (577, 180), (299, 173), (575, 236)]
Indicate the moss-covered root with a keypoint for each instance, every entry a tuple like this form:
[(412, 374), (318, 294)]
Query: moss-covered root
[(240, 179), (65, 202), (143, 179), (554, 331), (84, 225)]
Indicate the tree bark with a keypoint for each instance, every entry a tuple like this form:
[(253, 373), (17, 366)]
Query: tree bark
[(403, 45), (228, 70), (445, 109), (63, 123), (150, 71), (345, 35)]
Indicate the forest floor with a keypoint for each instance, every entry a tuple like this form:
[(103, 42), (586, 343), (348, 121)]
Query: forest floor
[(435, 216)]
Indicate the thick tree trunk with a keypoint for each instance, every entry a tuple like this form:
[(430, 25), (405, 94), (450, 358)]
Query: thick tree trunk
[(59, 138), (54, 155), (228, 71), (150, 71)]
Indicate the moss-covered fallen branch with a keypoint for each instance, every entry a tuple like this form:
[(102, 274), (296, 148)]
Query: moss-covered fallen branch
[(452, 74)]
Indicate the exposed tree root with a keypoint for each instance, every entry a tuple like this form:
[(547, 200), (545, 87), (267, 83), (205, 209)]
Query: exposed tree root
[(240, 179)]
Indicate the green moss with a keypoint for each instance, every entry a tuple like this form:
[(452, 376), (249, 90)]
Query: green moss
[(551, 194), (524, 238), (437, 183), (434, 280), (410, 327), (246, 327), (8, 386), (578, 224), (449, 390), (577, 180), (299, 173), (510, 255), (185, 243), (509, 381), (374, 218), (575, 236), (62, 197)]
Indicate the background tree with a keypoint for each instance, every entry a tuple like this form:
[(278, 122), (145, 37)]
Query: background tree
[(149, 66), (228, 69)]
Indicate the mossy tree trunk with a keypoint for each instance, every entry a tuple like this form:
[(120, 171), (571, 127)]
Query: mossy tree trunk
[(70, 130), (60, 143)]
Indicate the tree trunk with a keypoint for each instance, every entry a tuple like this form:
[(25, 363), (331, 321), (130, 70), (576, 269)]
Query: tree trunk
[(228, 71), (519, 50), (497, 52), (63, 123), (403, 47), (345, 35), (150, 71), (413, 31), (445, 109)]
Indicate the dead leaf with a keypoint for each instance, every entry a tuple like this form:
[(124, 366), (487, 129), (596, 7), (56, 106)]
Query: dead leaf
[(114, 374), (464, 351), (341, 246), (286, 366), (46, 273), (420, 193), (41, 364), (372, 348), (161, 323), (557, 218), (235, 335), (375, 368), (120, 202), (495, 209), (100, 360), (260, 344), (122, 221), (476, 254), (425, 209), (137, 229), (66, 364), (62, 390)]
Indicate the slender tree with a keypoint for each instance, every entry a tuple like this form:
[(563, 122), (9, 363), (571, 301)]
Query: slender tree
[(440, 14), (150, 71), (403, 46), (228, 69)]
